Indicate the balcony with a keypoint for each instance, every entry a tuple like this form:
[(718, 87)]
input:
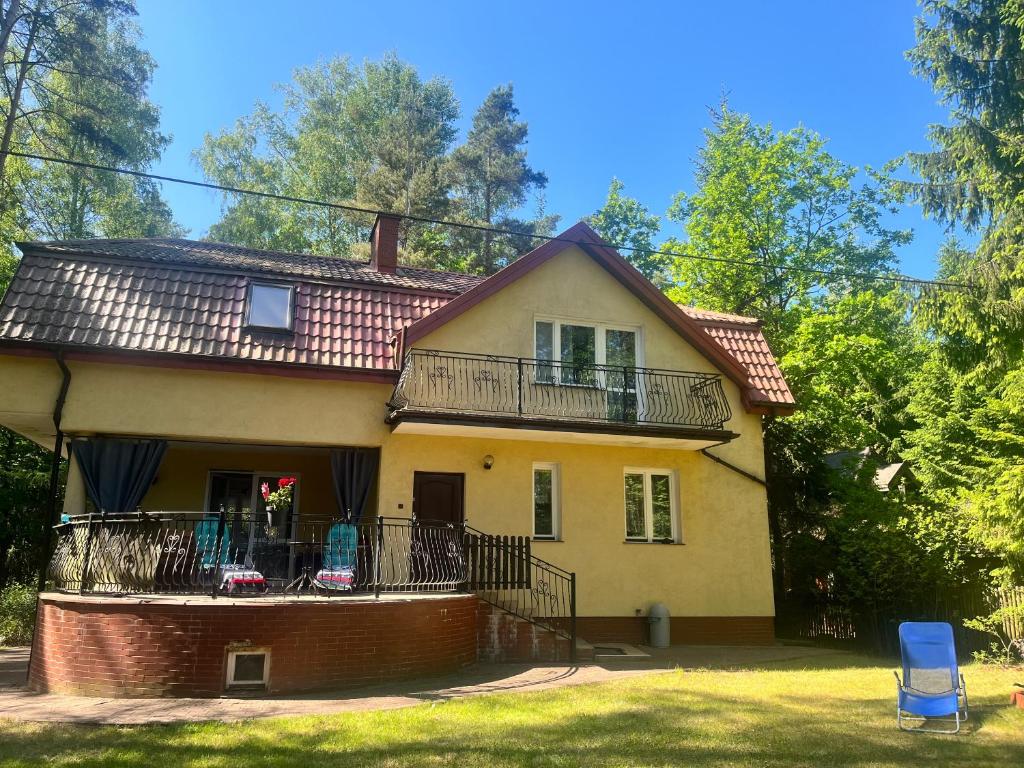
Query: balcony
[(472, 395)]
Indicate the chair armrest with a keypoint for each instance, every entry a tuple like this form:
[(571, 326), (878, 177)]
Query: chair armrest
[(897, 676)]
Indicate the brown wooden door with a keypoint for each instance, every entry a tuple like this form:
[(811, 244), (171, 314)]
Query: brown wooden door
[(438, 496)]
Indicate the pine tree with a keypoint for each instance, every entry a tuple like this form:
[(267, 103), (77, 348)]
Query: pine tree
[(492, 180)]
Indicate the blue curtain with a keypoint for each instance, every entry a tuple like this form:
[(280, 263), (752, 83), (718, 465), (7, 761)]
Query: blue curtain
[(354, 471), (117, 473)]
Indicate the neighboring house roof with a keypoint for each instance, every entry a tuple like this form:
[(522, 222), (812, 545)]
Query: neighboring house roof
[(850, 461), (174, 296)]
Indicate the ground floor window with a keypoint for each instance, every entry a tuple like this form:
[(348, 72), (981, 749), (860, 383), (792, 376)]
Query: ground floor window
[(546, 512), (651, 505)]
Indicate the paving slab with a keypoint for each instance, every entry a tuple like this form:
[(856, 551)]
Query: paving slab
[(18, 703)]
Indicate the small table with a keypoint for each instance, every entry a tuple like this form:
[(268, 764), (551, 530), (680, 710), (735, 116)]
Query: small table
[(304, 580)]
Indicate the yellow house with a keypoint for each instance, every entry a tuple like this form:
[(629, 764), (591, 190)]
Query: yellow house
[(563, 402)]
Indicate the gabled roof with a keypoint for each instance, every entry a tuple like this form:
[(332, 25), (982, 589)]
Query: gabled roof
[(743, 356), (850, 462), (185, 298)]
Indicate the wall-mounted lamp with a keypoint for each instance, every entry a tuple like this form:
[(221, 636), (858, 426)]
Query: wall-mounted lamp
[(488, 461)]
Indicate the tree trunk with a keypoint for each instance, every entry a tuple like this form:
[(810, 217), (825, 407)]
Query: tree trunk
[(12, 114), (7, 26)]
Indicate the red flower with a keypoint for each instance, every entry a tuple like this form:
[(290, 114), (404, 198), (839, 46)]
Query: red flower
[(286, 482), (265, 490)]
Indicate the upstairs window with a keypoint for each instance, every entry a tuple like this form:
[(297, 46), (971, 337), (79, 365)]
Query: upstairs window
[(270, 307)]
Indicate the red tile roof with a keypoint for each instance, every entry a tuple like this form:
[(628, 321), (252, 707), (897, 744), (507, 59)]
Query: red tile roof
[(742, 338), (188, 298), (148, 308)]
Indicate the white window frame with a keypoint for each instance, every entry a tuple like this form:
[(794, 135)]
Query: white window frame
[(291, 306), (600, 346), (232, 657), (673, 493), (556, 500)]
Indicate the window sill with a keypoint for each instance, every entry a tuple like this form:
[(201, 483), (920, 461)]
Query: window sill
[(548, 539), (655, 543)]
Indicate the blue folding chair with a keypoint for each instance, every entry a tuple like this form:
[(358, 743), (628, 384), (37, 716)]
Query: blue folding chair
[(932, 686)]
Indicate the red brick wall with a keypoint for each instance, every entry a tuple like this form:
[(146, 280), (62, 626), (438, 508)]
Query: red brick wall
[(503, 637), (120, 647)]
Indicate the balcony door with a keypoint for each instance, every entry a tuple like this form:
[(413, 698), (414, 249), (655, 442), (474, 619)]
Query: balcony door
[(620, 375)]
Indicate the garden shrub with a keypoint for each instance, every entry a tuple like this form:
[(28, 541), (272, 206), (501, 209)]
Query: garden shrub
[(17, 614)]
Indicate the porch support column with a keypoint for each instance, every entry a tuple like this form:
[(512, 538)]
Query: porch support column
[(74, 491)]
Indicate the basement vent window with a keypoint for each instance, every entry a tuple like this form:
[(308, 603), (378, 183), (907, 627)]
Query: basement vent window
[(249, 668), (270, 307)]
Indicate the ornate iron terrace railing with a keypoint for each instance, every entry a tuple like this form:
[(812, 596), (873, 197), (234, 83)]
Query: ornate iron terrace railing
[(434, 381), (240, 553)]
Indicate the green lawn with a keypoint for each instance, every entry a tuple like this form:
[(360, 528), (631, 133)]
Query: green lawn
[(833, 711)]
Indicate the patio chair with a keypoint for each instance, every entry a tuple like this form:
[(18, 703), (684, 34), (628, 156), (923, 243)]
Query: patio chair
[(234, 577), (932, 686), (338, 566)]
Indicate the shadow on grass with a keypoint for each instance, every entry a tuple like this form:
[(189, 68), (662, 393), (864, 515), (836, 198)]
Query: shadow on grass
[(659, 722)]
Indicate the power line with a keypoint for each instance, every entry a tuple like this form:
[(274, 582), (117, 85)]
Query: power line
[(903, 279)]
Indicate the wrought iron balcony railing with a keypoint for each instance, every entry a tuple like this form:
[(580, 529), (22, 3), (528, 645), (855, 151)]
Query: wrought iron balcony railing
[(433, 381)]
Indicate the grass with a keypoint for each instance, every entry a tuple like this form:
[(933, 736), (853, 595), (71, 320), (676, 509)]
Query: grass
[(832, 711)]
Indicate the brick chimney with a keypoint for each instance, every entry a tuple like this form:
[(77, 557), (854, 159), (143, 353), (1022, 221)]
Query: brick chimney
[(384, 243)]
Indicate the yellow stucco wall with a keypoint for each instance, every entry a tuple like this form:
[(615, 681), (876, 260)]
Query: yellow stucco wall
[(722, 569)]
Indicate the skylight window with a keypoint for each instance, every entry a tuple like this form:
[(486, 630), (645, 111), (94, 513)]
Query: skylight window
[(270, 307)]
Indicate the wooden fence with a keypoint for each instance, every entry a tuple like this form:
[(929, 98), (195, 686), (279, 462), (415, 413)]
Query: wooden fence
[(875, 629)]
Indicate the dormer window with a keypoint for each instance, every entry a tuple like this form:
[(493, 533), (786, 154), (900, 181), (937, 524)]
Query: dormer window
[(270, 306)]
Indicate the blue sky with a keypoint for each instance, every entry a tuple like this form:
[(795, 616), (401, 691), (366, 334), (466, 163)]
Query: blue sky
[(608, 89)]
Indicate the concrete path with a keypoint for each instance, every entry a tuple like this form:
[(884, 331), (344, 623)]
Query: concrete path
[(17, 703)]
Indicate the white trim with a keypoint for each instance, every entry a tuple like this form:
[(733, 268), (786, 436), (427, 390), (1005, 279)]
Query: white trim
[(556, 500), (231, 682), (673, 493)]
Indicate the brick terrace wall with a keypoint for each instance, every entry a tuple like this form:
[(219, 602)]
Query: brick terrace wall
[(123, 648), (503, 637)]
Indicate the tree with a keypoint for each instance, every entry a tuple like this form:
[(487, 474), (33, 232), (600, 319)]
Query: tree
[(492, 180), (625, 221), (970, 396), (24, 494), (850, 363), (375, 136), (123, 130), (76, 85), (768, 207)]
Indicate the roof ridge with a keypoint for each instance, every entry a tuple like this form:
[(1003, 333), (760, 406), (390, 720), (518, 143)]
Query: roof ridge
[(235, 259), (188, 242)]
